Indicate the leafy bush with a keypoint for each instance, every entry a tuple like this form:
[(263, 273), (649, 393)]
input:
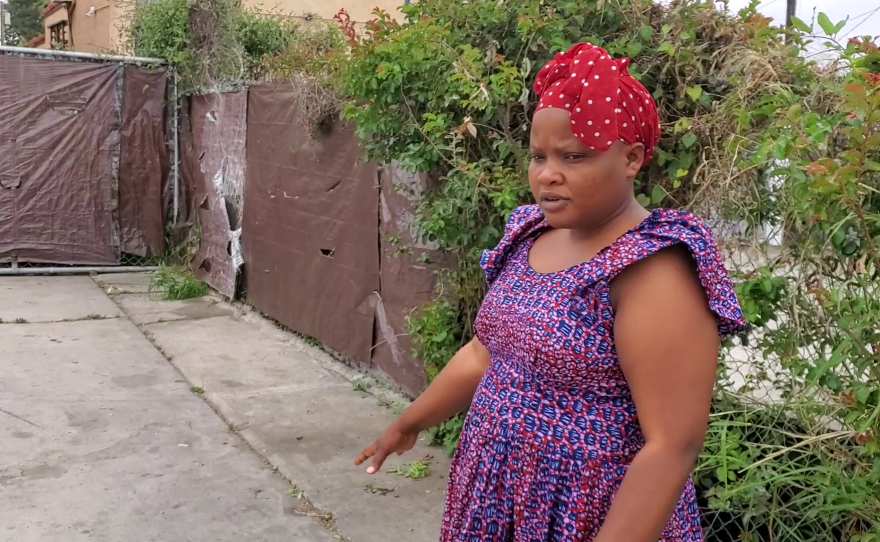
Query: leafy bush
[(158, 29), (760, 136), (197, 37), (263, 35), (215, 43)]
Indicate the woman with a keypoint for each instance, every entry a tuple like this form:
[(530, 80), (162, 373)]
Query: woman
[(590, 378)]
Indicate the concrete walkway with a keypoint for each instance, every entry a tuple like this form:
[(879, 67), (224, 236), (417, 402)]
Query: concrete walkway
[(127, 418)]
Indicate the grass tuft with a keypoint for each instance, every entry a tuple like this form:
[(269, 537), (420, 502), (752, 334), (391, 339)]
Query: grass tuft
[(176, 283)]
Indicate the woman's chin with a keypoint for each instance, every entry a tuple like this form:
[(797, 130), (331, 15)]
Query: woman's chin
[(559, 220)]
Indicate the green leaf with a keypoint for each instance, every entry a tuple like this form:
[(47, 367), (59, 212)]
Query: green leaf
[(646, 33), (643, 200), (666, 47), (826, 24), (657, 194), (801, 25), (695, 92), (688, 140), (681, 125), (833, 382)]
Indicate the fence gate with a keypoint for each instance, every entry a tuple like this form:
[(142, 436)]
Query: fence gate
[(83, 158)]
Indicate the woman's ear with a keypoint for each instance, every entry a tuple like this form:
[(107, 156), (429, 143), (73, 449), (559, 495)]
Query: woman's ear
[(635, 158)]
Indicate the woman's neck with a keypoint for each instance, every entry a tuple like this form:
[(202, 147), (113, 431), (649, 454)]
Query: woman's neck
[(611, 227)]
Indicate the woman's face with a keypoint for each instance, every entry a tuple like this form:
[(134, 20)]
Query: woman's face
[(575, 186)]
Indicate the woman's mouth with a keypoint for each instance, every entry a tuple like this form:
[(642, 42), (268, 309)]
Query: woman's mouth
[(553, 204)]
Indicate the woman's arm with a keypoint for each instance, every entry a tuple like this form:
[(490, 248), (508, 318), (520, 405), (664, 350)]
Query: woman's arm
[(667, 341), (450, 393)]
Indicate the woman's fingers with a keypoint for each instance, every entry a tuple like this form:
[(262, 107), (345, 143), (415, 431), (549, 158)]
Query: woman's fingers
[(378, 459), (368, 452)]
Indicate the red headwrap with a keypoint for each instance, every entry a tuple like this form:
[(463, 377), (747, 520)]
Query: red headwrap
[(605, 102)]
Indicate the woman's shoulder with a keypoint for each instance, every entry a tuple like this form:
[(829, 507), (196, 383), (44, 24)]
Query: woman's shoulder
[(521, 223), (667, 228)]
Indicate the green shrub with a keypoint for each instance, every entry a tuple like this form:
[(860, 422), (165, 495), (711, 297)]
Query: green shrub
[(218, 43)]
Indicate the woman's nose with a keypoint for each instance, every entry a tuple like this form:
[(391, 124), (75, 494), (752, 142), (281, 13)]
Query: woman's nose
[(550, 175)]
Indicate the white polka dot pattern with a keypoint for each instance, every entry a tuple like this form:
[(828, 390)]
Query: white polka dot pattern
[(570, 74)]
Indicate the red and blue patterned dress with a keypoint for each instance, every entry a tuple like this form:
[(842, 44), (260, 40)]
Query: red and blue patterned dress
[(552, 427)]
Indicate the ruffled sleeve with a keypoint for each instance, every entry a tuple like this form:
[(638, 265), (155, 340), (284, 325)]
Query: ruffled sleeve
[(666, 228), (523, 221)]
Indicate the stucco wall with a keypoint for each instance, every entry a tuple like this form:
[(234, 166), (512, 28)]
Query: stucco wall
[(94, 31), (358, 10)]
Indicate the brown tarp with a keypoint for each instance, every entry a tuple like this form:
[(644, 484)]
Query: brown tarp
[(143, 166), (189, 167), (310, 226), (408, 276), (218, 129), (58, 132)]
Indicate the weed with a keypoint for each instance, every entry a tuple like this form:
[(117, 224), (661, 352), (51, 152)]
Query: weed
[(311, 341), (177, 284), (94, 316), (19, 321), (361, 384), (414, 470), (396, 407), (197, 390), (294, 492), (376, 490)]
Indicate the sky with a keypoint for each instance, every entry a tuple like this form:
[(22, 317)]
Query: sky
[(864, 15)]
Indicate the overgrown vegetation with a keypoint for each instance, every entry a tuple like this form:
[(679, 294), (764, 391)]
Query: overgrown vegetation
[(176, 284), (218, 43), (760, 135)]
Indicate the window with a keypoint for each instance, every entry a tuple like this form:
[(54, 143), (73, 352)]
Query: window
[(58, 34)]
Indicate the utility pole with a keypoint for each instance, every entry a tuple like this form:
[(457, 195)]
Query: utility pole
[(2, 22), (790, 11)]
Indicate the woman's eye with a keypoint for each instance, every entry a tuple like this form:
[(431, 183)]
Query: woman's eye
[(537, 157), (574, 157)]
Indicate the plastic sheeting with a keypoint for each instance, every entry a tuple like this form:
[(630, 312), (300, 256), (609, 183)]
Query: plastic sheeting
[(310, 232), (59, 130), (329, 242), (216, 159), (408, 276), (143, 168), (82, 160)]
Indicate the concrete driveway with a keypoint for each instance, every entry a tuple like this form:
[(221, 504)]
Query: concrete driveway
[(101, 439), (126, 418)]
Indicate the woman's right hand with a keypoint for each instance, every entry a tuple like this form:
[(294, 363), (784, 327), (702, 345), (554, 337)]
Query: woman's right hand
[(395, 439), (450, 393)]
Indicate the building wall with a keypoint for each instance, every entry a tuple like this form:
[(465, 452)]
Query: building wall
[(358, 10), (97, 24), (95, 30)]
